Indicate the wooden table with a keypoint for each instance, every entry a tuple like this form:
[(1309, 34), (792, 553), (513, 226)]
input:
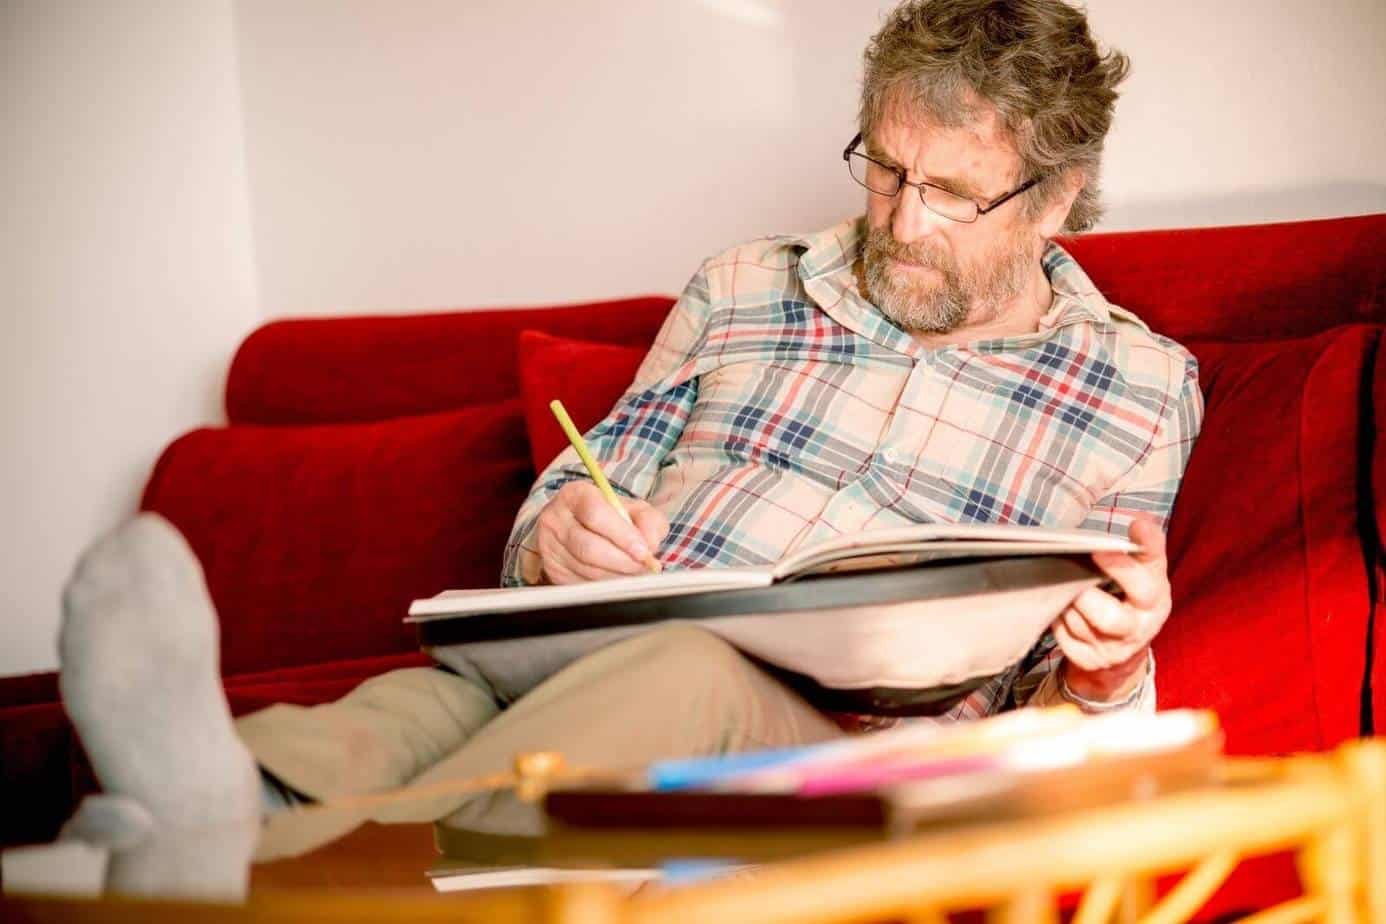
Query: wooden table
[(1330, 809)]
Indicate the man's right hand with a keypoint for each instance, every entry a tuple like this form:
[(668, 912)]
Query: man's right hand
[(581, 537)]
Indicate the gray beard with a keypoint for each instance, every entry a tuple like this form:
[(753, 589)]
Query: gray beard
[(977, 294)]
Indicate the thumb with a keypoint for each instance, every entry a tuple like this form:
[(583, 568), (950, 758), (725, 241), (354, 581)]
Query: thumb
[(1147, 534)]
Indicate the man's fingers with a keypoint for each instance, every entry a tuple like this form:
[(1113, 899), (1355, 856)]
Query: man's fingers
[(598, 553), (1083, 631), (652, 523), (1108, 616), (1141, 575), (570, 552), (596, 515), (564, 562), (554, 561), (1137, 579), (1077, 651), (1076, 626)]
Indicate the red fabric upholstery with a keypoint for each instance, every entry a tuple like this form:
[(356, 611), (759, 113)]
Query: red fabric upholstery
[(315, 539), (26, 689), (353, 369), (587, 377), (1375, 501), (313, 683), (1244, 283), (353, 671), (1271, 593), (36, 793), (1270, 590)]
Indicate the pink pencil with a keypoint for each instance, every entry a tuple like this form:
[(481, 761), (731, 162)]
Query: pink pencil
[(832, 781)]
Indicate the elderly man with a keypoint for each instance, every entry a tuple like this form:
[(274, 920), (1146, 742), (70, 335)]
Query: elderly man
[(939, 360)]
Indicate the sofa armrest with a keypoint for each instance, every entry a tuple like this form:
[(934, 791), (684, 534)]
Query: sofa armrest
[(315, 539)]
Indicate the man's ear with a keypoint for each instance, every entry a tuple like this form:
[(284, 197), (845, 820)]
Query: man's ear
[(1056, 212)]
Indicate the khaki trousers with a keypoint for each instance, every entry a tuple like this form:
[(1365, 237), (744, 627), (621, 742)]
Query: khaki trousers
[(674, 691)]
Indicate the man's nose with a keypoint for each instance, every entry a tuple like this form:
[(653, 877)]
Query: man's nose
[(911, 219)]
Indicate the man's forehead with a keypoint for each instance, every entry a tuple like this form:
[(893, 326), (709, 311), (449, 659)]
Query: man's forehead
[(976, 147), (973, 118)]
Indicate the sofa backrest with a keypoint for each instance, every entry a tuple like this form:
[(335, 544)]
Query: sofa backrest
[(1249, 282), (351, 370), (1236, 283)]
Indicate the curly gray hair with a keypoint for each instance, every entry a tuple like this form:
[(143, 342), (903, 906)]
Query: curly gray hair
[(1034, 60)]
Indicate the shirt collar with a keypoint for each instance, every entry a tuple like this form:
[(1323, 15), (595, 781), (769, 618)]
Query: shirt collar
[(826, 266), (1075, 296)]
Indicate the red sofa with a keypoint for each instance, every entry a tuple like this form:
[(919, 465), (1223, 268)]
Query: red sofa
[(369, 461)]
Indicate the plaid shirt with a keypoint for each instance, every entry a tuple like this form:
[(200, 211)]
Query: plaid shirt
[(777, 408)]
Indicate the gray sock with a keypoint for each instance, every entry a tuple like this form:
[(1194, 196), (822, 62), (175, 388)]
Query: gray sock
[(139, 677)]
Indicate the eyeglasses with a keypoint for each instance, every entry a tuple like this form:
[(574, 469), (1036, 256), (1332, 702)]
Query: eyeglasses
[(884, 180)]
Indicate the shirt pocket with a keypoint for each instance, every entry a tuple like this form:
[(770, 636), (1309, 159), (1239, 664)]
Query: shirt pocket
[(810, 412), (1049, 432)]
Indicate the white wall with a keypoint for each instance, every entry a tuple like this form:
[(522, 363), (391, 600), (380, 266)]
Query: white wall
[(126, 274), (501, 153), (1242, 111), (431, 153), (462, 154)]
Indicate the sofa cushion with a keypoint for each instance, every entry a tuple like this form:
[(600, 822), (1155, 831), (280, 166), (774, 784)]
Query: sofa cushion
[(36, 793), (587, 377), (1374, 499), (326, 370), (24, 689), (315, 539), (1287, 279), (353, 671), (1270, 584)]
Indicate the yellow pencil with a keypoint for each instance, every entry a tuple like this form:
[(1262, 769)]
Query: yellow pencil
[(595, 470)]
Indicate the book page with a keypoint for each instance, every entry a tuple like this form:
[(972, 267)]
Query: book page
[(458, 879), (925, 541), (452, 603)]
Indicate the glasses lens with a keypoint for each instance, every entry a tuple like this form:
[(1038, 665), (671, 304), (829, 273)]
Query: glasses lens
[(873, 176), (942, 202)]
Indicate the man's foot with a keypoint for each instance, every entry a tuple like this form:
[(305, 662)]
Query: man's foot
[(140, 679)]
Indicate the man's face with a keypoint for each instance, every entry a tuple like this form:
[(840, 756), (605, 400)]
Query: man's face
[(926, 272)]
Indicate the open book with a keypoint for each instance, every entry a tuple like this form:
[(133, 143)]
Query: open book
[(899, 621), (870, 550)]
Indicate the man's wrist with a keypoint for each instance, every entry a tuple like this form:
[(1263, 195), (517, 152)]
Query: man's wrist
[(1109, 686)]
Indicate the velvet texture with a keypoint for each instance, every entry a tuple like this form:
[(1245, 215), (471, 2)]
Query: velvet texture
[(348, 524), (1372, 501), (1250, 282), (315, 539), (587, 377), (331, 370), (373, 460), (1270, 585)]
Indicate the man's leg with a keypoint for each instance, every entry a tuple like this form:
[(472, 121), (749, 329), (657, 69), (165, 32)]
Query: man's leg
[(674, 691), (379, 736), (139, 676)]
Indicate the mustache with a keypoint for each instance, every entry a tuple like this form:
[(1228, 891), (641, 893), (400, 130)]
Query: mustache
[(881, 244)]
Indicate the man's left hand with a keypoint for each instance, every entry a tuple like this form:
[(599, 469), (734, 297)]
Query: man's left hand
[(1105, 639)]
